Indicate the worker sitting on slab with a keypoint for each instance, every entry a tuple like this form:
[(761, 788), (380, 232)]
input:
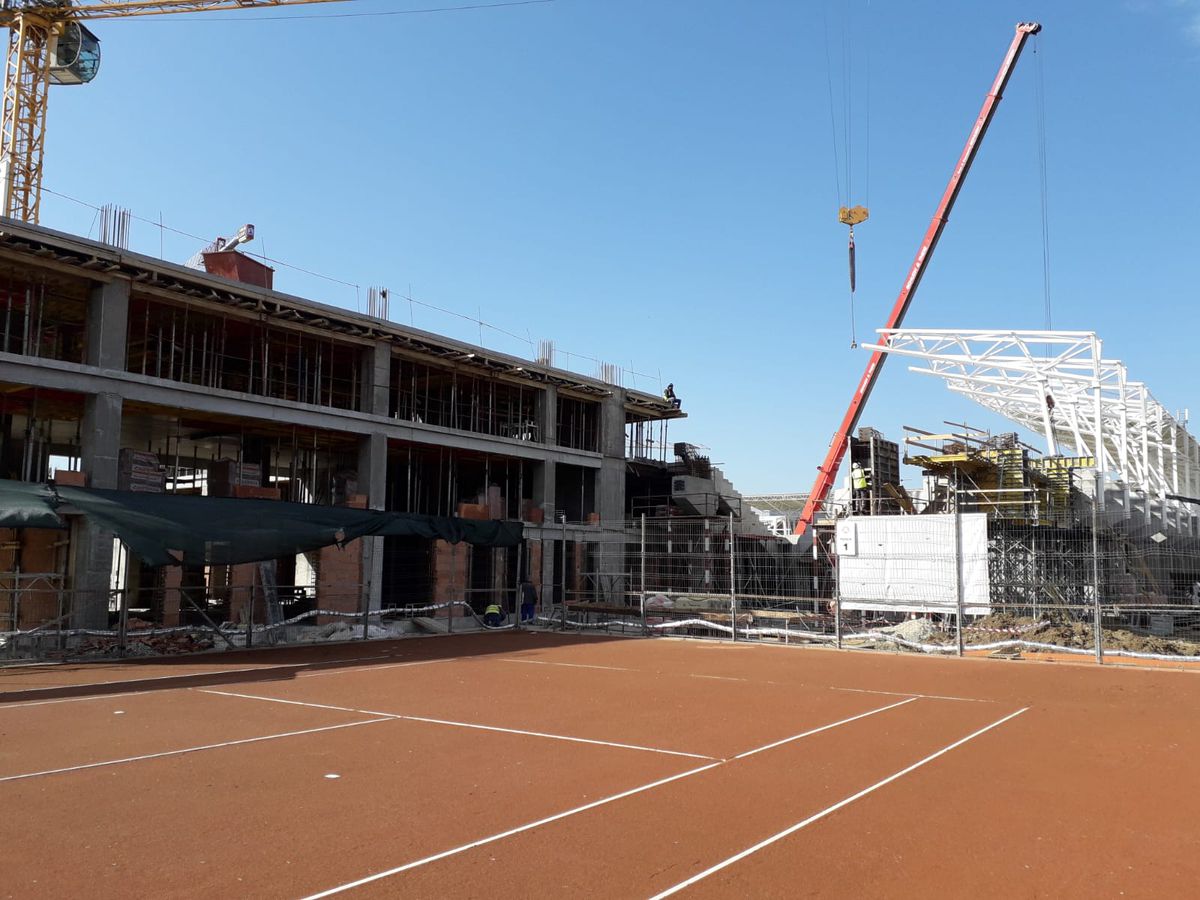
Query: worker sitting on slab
[(493, 616), (669, 396)]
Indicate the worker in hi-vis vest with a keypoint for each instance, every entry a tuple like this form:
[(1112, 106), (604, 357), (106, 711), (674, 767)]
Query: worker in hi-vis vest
[(860, 481), (493, 616)]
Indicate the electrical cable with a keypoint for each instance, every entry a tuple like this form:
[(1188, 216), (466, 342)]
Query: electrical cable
[(1040, 112), (364, 15), (349, 284)]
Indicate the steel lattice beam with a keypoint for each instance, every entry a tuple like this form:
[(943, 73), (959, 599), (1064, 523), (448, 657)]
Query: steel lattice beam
[(1058, 384)]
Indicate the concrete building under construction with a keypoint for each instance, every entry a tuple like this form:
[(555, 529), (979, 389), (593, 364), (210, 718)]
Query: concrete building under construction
[(122, 371)]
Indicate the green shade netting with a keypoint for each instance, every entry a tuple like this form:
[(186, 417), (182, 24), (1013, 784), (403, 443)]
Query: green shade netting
[(169, 529)]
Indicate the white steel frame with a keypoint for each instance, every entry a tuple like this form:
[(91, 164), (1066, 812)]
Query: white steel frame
[(1096, 409)]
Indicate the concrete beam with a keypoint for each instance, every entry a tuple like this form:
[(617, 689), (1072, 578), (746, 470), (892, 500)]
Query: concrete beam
[(65, 376)]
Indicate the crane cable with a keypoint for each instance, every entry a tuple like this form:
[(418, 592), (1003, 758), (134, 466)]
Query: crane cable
[(1040, 113), (848, 214)]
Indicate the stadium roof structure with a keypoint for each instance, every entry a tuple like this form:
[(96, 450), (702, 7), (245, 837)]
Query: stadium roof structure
[(1058, 384)]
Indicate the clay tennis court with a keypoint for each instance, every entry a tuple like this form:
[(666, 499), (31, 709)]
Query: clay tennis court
[(531, 764)]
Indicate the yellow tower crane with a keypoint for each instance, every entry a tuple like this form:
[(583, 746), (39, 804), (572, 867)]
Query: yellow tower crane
[(48, 44)]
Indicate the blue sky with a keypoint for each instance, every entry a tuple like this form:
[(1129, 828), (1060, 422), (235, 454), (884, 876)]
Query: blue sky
[(652, 183)]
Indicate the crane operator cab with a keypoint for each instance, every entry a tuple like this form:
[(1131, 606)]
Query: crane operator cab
[(74, 55)]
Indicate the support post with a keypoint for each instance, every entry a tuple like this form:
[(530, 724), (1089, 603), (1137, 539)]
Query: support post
[(958, 572), (517, 588), (1097, 629), (453, 599), (733, 610), (645, 628)]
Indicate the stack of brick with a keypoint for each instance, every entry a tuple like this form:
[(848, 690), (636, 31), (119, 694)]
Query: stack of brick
[(141, 472), (225, 475), (25, 601), (450, 566), (340, 573), (534, 575)]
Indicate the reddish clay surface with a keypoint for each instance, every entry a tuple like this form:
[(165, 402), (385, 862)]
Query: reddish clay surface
[(1085, 794)]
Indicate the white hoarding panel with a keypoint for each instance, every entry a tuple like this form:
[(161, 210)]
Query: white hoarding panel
[(910, 564)]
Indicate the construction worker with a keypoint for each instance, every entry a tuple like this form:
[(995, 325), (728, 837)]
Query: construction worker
[(529, 599), (860, 481), (493, 616), (669, 396)]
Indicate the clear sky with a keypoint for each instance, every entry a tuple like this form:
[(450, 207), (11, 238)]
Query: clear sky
[(652, 183)]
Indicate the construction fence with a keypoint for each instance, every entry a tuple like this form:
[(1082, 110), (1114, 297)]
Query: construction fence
[(1098, 586), (950, 583)]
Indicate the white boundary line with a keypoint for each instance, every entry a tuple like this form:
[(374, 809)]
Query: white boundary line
[(407, 718), (812, 731), (578, 809), (543, 662), (830, 809), (504, 834), (130, 759), (910, 694)]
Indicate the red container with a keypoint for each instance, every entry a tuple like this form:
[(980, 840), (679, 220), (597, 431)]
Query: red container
[(239, 267)]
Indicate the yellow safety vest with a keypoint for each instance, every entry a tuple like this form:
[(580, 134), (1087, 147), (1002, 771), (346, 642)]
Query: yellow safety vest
[(493, 608)]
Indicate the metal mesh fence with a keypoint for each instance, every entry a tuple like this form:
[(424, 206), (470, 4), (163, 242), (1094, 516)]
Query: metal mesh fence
[(1101, 584)]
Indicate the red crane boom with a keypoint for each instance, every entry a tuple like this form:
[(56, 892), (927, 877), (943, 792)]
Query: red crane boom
[(837, 449)]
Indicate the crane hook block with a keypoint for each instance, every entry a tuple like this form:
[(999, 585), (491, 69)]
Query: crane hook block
[(854, 215)]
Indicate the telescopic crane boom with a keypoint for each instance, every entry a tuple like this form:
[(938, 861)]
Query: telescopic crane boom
[(837, 449)]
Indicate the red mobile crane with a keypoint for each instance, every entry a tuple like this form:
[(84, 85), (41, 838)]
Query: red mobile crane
[(837, 449)]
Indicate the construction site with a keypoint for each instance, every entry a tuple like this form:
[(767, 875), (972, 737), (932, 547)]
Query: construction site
[(425, 617), (191, 459)]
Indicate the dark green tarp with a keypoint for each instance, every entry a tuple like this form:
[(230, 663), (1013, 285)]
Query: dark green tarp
[(169, 529), (25, 505)]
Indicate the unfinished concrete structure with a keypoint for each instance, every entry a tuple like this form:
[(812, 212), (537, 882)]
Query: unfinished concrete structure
[(125, 371)]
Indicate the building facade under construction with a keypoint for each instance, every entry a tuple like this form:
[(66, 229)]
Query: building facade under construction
[(125, 372)]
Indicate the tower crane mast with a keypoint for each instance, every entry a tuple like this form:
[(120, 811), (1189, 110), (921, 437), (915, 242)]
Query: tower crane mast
[(841, 438), (48, 44)]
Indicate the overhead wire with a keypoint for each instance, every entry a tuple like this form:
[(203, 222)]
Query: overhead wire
[(363, 15), (357, 288), (1040, 113)]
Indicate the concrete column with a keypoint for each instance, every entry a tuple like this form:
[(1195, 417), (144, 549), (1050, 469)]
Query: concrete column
[(548, 415), (107, 325), (92, 547), (372, 481), (610, 487), (376, 379), (610, 494)]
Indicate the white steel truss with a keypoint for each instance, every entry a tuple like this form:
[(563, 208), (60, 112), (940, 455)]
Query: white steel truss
[(1058, 384)]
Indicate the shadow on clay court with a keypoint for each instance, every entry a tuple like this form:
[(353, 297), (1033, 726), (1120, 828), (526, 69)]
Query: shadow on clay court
[(120, 676)]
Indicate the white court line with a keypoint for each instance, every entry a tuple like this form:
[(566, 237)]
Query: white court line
[(129, 759), (543, 662), (570, 812), (910, 694), (541, 734), (831, 809), (557, 737), (415, 662), (805, 734), (716, 677), (504, 834)]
